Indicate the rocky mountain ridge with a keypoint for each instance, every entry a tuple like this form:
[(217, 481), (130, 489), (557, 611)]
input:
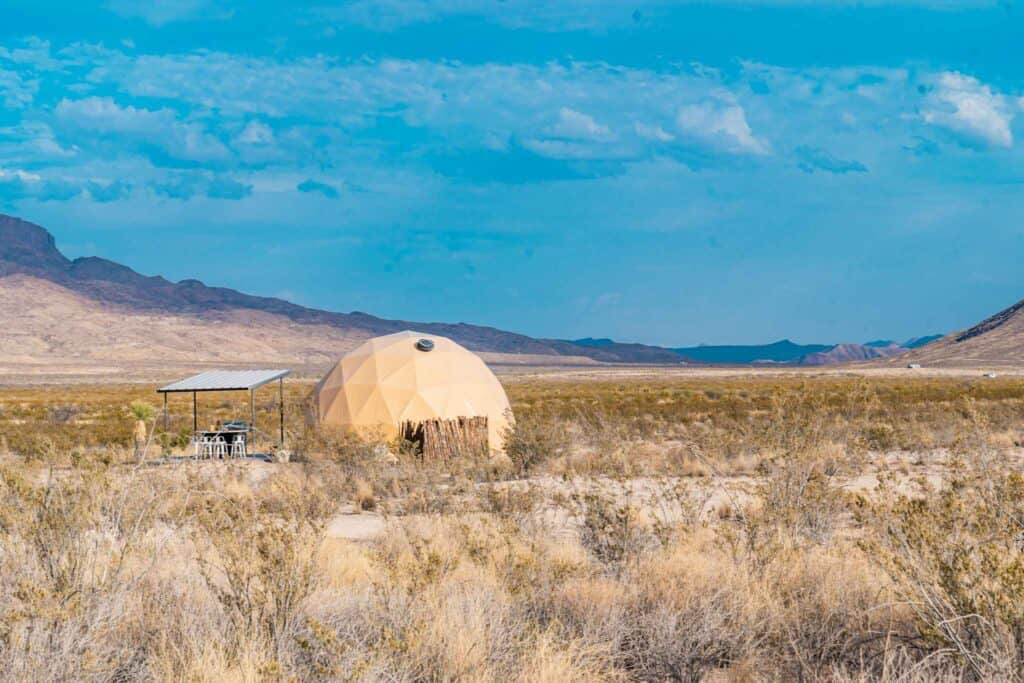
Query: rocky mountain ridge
[(29, 249)]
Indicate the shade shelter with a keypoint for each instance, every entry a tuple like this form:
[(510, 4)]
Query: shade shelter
[(227, 380), (399, 381)]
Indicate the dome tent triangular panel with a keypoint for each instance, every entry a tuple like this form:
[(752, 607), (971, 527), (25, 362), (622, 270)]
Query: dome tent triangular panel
[(366, 370), (390, 379), (374, 404)]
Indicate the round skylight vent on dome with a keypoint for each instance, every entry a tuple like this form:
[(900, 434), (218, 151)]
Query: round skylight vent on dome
[(425, 344)]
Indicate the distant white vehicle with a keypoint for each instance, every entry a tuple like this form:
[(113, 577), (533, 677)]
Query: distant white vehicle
[(990, 375), (914, 366)]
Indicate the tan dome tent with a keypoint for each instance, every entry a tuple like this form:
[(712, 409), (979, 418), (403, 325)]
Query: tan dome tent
[(404, 380)]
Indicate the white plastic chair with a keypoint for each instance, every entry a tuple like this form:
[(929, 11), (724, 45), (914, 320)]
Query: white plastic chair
[(238, 446), (220, 448)]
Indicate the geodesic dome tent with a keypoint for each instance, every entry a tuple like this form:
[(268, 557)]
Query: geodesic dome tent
[(408, 378)]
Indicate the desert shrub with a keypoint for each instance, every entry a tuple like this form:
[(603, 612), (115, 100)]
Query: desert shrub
[(62, 414), (956, 557), (829, 609), (879, 436), (529, 442), (170, 442), (612, 529), (798, 495), (35, 446), (344, 446), (364, 498), (513, 502), (688, 614), (258, 556), (70, 552)]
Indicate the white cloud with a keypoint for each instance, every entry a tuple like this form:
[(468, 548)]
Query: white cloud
[(33, 52), (568, 149), (966, 105), (33, 142), (469, 104), (576, 125), (567, 15), (18, 174), (529, 122), (534, 14), (192, 143), (256, 133), (161, 12), (104, 115), (650, 132), (159, 128), (16, 91), (723, 123)]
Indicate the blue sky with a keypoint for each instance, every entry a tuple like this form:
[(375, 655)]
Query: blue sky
[(664, 172)]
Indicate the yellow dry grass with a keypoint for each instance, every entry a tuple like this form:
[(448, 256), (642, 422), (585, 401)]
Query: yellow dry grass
[(657, 530)]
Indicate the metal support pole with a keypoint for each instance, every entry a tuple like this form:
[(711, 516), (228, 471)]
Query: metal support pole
[(252, 412), (165, 411), (195, 414), (281, 387)]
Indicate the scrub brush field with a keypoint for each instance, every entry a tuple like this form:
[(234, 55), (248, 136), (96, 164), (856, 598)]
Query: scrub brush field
[(756, 527)]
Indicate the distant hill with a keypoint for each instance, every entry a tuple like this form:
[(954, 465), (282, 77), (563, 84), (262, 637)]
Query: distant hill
[(918, 342), (996, 341), (593, 343), (609, 350), (847, 353), (783, 351), (789, 353)]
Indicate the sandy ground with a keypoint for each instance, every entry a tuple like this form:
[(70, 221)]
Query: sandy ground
[(520, 370), (357, 526), (657, 497), (708, 496), (663, 373)]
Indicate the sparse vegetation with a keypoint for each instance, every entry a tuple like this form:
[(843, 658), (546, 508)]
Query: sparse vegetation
[(780, 529)]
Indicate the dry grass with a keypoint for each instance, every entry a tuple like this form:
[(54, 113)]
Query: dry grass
[(646, 531)]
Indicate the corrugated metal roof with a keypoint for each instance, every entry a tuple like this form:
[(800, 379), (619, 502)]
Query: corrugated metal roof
[(225, 380)]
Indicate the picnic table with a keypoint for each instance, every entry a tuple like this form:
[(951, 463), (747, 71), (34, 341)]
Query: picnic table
[(229, 440)]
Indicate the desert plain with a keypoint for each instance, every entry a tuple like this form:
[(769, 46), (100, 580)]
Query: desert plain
[(853, 523)]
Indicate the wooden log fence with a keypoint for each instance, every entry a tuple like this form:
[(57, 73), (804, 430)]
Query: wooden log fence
[(461, 437)]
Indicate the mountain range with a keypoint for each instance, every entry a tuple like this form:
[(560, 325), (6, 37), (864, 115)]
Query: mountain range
[(790, 353), (28, 250), (95, 308)]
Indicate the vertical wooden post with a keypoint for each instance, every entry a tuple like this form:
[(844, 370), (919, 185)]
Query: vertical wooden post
[(252, 413), (165, 411), (281, 401), (195, 414)]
